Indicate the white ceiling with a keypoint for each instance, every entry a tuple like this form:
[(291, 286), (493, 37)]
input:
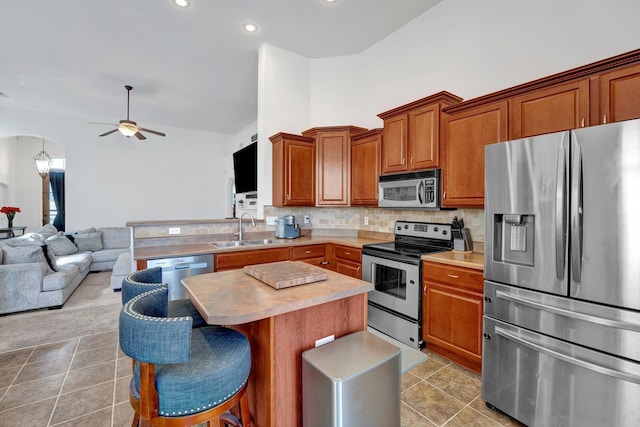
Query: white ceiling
[(193, 68)]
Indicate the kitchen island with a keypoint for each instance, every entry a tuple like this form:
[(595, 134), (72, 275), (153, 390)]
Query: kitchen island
[(280, 324)]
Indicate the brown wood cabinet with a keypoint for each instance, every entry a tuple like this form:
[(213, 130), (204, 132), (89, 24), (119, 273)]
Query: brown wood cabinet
[(551, 109), (232, 260), (464, 136), (619, 95), (348, 260), (411, 134), (333, 165), (294, 167), (365, 168), (452, 307), (311, 254)]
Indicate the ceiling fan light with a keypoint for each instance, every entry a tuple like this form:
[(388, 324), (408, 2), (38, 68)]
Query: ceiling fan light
[(127, 130)]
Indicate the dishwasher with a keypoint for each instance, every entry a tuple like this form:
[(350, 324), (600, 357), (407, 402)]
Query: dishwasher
[(176, 269)]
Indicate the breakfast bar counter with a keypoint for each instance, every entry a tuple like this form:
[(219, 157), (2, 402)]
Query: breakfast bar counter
[(280, 324)]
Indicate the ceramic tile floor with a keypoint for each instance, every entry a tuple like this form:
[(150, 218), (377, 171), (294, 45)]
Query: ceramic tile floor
[(84, 382)]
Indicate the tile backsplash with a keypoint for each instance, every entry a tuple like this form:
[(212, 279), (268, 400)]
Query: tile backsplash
[(381, 220)]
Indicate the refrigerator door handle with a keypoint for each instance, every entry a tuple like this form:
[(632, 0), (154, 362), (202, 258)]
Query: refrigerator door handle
[(624, 376), (570, 314), (576, 214), (561, 208)]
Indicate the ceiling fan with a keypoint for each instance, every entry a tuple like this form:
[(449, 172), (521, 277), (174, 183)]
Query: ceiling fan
[(129, 127)]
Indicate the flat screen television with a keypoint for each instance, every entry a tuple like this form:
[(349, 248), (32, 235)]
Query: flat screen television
[(245, 168)]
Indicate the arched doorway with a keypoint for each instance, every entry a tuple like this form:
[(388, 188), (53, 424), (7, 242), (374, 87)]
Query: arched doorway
[(22, 186)]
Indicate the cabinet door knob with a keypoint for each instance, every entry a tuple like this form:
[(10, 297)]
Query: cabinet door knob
[(307, 252), (347, 253), (453, 276), (582, 123), (604, 119)]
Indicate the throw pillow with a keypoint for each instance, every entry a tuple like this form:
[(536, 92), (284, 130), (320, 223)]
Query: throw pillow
[(25, 254), (86, 230), (61, 245), (46, 230), (28, 240), (88, 241), (50, 257)]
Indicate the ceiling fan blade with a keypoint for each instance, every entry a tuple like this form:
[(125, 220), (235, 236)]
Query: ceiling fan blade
[(155, 132), (140, 136), (109, 133)]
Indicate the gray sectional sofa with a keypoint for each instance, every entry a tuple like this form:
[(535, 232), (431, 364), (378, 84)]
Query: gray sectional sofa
[(43, 268)]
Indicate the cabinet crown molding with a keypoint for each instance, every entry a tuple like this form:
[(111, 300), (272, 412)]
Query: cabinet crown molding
[(290, 136), (562, 77), (444, 97), (370, 132), (347, 128)]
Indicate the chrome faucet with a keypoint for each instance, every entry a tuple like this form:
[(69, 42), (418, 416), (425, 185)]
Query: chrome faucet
[(253, 224)]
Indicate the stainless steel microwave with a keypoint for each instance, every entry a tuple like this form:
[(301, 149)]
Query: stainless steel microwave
[(414, 190)]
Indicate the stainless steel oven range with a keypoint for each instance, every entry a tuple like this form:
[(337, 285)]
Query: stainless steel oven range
[(395, 269)]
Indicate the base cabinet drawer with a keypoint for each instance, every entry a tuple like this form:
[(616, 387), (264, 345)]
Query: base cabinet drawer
[(231, 260)]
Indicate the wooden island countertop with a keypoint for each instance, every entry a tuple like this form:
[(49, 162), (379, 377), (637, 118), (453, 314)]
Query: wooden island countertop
[(234, 297), (280, 325)]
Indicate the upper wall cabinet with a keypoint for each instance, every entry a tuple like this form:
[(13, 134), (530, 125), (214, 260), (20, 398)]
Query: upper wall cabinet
[(333, 165), (464, 136), (551, 109), (294, 166), (620, 95), (365, 168), (411, 135)]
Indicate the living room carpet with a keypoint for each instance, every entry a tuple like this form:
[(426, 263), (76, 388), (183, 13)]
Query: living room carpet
[(92, 308)]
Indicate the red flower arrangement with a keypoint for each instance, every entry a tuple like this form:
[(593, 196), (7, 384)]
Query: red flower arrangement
[(10, 212)]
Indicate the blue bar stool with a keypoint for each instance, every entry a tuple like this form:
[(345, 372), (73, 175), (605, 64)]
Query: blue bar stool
[(183, 376)]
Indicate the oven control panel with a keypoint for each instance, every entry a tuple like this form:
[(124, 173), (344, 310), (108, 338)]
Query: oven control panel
[(423, 229)]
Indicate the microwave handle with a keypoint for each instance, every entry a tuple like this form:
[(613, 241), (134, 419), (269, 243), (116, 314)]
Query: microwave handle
[(420, 191)]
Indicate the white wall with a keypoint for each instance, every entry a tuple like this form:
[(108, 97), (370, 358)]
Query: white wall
[(112, 180), (283, 106), (470, 48)]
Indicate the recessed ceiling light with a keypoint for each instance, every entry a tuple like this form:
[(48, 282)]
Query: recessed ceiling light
[(330, 1), (182, 3), (250, 28)]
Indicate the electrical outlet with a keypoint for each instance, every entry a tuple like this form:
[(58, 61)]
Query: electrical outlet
[(271, 220), (366, 220), (307, 220), (174, 230), (325, 340)]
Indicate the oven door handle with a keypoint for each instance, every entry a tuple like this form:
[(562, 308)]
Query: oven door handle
[(381, 256)]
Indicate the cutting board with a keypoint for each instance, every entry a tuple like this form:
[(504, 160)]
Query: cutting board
[(285, 274)]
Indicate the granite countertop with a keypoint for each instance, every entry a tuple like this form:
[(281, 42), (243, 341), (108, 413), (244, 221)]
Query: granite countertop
[(170, 251), (473, 260), (233, 297)]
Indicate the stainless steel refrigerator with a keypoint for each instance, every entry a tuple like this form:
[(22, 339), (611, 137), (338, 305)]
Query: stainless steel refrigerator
[(562, 277)]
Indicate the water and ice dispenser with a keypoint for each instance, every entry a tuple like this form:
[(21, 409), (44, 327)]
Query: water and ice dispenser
[(513, 237)]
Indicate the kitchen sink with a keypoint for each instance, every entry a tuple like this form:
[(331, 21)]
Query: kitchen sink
[(243, 243)]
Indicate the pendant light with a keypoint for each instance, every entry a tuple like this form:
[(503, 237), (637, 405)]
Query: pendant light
[(43, 161)]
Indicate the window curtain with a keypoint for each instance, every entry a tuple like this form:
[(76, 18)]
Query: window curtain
[(57, 189)]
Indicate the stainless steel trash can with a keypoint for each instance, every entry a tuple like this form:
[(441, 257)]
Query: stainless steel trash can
[(350, 382)]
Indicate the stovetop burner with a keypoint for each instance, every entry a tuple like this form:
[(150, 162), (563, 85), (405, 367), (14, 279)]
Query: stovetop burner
[(414, 239)]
